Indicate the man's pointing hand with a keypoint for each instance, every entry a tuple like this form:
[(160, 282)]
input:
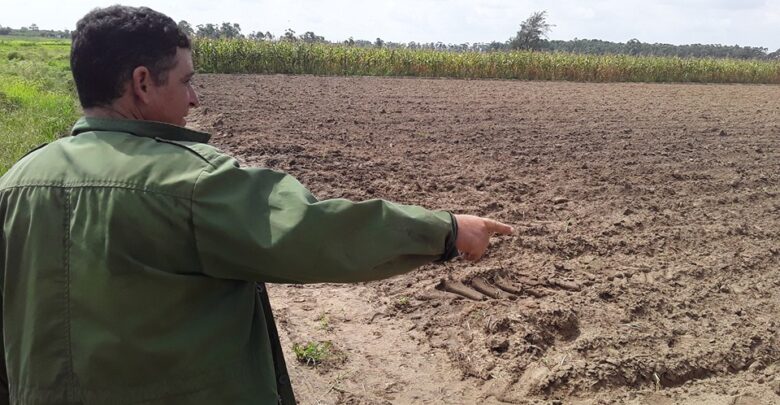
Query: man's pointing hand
[(474, 235)]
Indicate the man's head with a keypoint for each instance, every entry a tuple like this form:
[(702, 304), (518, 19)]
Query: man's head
[(133, 56)]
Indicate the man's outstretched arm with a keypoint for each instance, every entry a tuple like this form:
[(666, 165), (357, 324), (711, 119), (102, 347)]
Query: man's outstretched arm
[(263, 225)]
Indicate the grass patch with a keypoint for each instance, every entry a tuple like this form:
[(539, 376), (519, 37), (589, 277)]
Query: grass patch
[(38, 100), (318, 353), (402, 303), (324, 321)]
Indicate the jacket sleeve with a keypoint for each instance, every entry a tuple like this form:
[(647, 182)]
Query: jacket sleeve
[(263, 225), (4, 389)]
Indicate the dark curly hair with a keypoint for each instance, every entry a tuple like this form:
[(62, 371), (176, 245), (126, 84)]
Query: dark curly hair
[(109, 43)]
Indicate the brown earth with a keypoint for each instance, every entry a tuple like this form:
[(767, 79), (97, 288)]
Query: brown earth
[(645, 264)]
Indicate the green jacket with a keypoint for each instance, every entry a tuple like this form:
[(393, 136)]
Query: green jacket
[(129, 257)]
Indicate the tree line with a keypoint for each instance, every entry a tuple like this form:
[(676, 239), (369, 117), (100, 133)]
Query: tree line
[(532, 35), (34, 31), (637, 48)]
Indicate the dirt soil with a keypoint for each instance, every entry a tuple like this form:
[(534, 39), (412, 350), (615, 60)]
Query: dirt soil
[(645, 268)]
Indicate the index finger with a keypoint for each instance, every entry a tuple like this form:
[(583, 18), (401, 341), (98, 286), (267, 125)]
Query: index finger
[(498, 227)]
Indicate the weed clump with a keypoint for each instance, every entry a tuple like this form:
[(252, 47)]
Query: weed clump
[(318, 353)]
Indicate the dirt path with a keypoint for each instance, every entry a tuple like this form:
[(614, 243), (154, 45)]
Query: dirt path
[(387, 361), (645, 268)]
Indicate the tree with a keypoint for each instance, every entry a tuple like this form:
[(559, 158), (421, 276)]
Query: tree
[(34, 27), (310, 38), (633, 47), (207, 31), (379, 43), (289, 35), (5, 30), (532, 31), (261, 36), (496, 46), (186, 28), (228, 30)]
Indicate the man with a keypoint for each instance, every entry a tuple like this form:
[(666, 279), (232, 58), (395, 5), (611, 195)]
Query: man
[(131, 250)]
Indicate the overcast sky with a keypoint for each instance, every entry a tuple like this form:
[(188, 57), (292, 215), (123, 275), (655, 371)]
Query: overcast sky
[(728, 22)]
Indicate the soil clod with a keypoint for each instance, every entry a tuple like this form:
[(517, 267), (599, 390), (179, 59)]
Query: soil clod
[(565, 285), (482, 285), (457, 287), (507, 285)]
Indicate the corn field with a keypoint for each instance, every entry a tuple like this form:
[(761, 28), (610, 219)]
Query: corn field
[(248, 56)]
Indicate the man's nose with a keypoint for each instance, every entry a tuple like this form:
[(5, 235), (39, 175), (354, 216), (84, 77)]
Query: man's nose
[(194, 102)]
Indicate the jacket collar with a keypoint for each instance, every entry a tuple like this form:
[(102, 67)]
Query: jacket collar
[(148, 129)]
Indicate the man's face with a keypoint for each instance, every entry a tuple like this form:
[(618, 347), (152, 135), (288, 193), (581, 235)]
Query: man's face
[(171, 101)]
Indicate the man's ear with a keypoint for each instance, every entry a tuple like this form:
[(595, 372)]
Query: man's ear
[(141, 83)]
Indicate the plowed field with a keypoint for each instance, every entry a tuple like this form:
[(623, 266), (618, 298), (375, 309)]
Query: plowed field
[(645, 267)]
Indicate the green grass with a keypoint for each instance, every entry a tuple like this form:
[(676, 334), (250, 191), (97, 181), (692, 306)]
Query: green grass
[(324, 321), (314, 353), (37, 95), (245, 56), (402, 302)]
